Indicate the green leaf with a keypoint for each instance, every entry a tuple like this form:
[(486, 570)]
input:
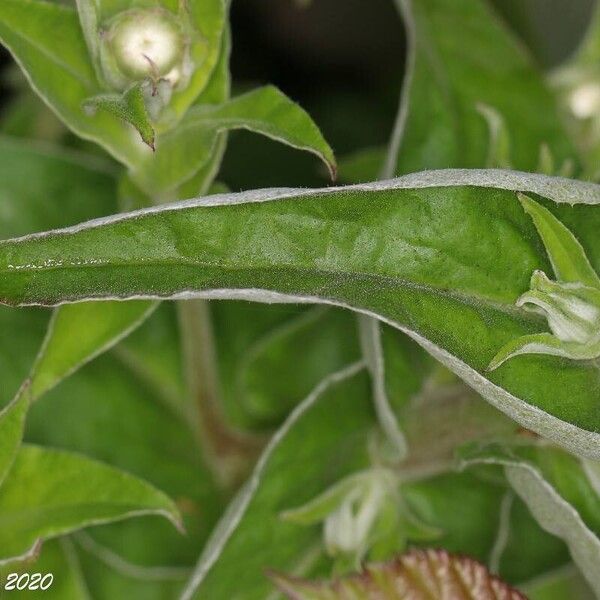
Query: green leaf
[(432, 573), (465, 255), (62, 74), (43, 186), (568, 258), (269, 112), (318, 508), (134, 395), (307, 454), (12, 421), (544, 343), (303, 345), (99, 326), (450, 43), (130, 106), (59, 558), (51, 492), (557, 492), (184, 150)]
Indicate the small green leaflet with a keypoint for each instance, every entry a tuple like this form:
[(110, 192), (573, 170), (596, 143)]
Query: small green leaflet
[(129, 106)]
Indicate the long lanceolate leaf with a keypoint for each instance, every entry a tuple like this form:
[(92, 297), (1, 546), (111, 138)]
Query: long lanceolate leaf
[(441, 256)]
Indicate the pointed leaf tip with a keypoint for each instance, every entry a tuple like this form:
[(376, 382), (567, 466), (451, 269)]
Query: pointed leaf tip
[(569, 259), (129, 107)]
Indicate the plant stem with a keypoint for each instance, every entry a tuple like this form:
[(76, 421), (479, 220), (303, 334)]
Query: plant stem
[(228, 452)]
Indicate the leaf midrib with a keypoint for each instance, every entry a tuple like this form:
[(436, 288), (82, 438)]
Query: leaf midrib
[(389, 280)]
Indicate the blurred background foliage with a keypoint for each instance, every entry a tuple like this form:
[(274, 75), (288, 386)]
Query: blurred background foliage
[(337, 58), (343, 61)]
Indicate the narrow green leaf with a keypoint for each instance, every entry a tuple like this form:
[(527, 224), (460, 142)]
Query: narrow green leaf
[(129, 106), (318, 508), (50, 492), (544, 343), (556, 490), (271, 113), (457, 301), (568, 258)]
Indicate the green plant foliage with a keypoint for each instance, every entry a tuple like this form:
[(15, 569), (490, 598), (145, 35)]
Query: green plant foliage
[(557, 491), (439, 123), (343, 387), (12, 419), (129, 106), (192, 256), (59, 500)]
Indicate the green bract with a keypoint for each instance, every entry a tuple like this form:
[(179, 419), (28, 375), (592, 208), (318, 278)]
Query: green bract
[(571, 305)]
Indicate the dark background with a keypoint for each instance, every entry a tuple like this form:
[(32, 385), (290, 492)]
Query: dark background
[(343, 61)]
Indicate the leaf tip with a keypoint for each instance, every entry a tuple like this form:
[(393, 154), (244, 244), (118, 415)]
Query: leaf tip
[(333, 169), (527, 203), (497, 361)]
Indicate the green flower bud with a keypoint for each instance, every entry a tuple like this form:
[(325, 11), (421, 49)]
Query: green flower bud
[(143, 44), (363, 514), (146, 43)]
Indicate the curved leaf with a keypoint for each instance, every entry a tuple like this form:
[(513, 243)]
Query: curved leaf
[(129, 106), (423, 253), (51, 492), (266, 111), (127, 409), (556, 490)]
